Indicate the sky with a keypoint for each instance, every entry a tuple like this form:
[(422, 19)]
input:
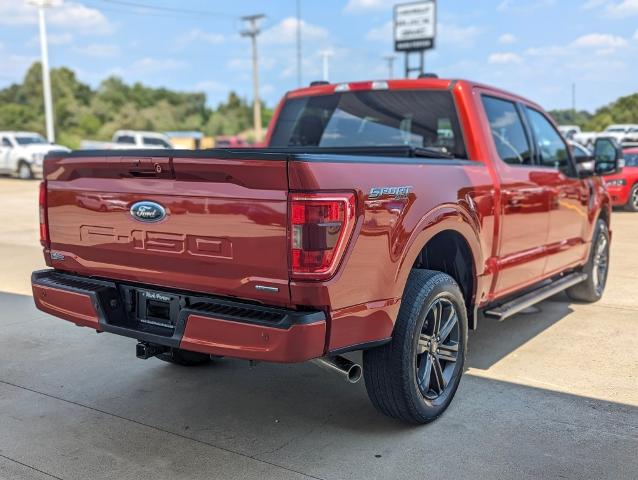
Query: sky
[(536, 48)]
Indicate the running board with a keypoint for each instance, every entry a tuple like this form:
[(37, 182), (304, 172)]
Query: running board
[(521, 303)]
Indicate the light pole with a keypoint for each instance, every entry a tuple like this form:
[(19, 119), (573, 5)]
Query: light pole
[(252, 31), (390, 59), (325, 56), (46, 79)]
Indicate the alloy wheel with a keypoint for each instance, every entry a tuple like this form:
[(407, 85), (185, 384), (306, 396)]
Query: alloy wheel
[(437, 349), (601, 264)]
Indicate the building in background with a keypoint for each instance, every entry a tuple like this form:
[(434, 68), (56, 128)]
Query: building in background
[(191, 140)]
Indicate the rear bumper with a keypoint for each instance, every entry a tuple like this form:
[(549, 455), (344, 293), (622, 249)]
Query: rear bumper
[(213, 325)]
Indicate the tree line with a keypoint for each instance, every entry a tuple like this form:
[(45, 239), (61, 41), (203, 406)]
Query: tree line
[(85, 113), (623, 110)]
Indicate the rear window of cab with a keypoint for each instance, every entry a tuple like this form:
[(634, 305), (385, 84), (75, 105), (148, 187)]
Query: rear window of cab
[(417, 118)]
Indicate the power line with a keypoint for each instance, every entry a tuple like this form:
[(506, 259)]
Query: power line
[(169, 9)]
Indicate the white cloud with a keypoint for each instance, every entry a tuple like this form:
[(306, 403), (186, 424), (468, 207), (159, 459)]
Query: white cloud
[(285, 32), (153, 65), (69, 15), (618, 9), (624, 8), (636, 35), (383, 33), (507, 38), (362, 6), (99, 50), (502, 58), (600, 43), (519, 6), (197, 35), (451, 34), (52, 39), (58, 38), (599, 40), (589, 4)]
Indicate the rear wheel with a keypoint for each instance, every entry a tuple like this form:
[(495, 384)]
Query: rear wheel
[(632, 203), (415, 376), (24, 171), (184, 358), (597, 268)]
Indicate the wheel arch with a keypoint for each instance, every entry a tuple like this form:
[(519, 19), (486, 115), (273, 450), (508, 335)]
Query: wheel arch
[(443, 234)]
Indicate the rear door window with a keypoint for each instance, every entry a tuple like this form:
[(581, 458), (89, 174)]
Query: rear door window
[(507, 131), (551, 149), (417, 118)]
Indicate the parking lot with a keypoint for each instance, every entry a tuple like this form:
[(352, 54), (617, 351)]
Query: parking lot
[(552, 394)]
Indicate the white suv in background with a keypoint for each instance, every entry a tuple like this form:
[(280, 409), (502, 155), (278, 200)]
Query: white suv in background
[(22, 153), (130, 139)]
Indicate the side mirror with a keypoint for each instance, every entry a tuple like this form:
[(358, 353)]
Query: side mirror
[(608, 156)]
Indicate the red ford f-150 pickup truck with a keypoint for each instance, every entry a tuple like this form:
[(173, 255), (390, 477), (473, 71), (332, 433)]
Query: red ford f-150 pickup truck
[(383, 216)]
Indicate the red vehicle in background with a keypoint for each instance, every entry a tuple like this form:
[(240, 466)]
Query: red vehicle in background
[(231, 142), (623, 186), (383, 217)]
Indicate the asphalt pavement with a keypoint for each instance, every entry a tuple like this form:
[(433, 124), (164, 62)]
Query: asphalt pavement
[(548, 394)]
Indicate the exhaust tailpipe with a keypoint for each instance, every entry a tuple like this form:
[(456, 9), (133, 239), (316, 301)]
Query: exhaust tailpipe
[(350, 370)]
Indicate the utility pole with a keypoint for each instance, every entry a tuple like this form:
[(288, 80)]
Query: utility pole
[(46, 79), (325, 56), (299, 79), (252, 31), (574, 97), (390, 59)]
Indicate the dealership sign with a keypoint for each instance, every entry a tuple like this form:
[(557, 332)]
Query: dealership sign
[(414, 26)]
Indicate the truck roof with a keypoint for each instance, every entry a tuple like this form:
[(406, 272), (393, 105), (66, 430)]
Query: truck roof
[(399, 84)]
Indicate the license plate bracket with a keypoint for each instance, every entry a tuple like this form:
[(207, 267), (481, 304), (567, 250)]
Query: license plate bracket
[(157, 308)]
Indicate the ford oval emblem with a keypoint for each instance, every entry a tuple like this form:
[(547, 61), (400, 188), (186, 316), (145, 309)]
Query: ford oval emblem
[(148, 212)]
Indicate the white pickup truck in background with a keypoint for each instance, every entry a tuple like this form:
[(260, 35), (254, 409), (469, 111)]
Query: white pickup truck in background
[(128, 139), (22, 153), (626, 134)]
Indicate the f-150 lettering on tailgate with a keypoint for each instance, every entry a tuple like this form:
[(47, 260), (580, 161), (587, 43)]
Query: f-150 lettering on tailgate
[(159, 241)]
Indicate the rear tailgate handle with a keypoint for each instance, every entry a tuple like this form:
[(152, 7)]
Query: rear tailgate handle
[(147, 167)]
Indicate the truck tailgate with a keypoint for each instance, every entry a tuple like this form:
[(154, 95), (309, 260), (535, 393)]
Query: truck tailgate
[(224, 229)]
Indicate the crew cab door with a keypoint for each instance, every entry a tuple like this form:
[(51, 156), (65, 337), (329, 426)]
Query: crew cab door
[(569, 195), (524, 206)]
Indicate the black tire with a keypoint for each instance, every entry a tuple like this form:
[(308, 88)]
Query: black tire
[(24, 171), (184, 358), (632, 203), (596, 268), (392, 371)]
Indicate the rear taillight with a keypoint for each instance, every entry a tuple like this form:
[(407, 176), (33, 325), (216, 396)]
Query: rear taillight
[(44, 227), (321, 225)]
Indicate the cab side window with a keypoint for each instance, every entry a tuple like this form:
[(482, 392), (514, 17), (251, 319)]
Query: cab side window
[(6, 142), (128, 139), (552, 150), (508, 132)]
